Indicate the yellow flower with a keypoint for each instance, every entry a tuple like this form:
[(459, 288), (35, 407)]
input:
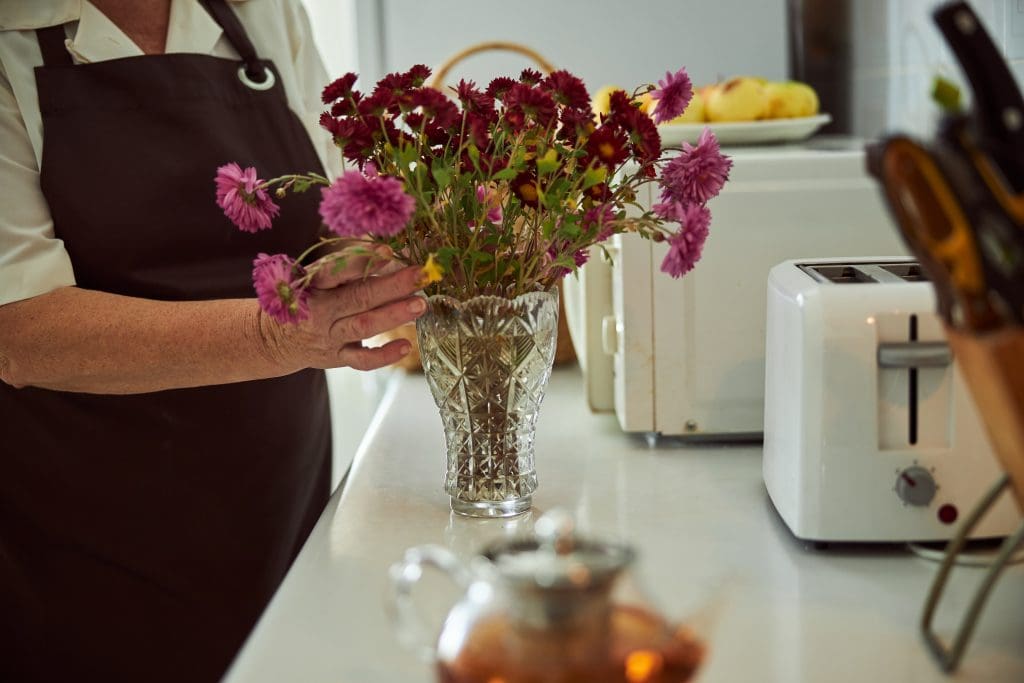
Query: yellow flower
[(431, 272)]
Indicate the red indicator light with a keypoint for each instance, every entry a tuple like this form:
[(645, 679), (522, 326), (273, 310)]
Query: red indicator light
[(948, 513)]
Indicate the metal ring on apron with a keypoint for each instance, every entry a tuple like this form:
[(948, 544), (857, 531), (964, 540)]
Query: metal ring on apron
[(266, 84)]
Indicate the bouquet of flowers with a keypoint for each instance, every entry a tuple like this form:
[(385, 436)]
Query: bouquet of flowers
[(497, 191)]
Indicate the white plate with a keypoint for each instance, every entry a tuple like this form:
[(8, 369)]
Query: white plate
[(744, 132)]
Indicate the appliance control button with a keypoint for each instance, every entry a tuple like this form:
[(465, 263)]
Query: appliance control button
[(948, 513), (915, 486)]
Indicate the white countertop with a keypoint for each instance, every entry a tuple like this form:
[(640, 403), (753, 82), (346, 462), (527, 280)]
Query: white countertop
[(699, 517)]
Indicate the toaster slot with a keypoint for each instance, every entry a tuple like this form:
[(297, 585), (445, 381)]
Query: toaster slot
[(909, 272), (914, 380), (837, 273)]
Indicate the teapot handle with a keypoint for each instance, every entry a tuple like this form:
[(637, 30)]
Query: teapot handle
[(405, 575)]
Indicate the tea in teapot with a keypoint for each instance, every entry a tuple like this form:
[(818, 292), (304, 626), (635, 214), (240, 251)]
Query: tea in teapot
[(544, 610)]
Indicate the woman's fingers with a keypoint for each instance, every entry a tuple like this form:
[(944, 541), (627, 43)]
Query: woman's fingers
[(353, 263), (357, 356), (365, 295), (381, 319)]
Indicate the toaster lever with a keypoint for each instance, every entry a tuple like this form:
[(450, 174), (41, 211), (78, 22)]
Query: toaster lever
[(914, 355)]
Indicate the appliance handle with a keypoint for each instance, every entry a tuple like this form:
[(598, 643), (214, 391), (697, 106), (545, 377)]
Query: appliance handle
[(914, 355)]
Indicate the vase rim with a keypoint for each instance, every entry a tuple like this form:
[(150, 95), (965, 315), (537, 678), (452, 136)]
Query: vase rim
[(525, 297)]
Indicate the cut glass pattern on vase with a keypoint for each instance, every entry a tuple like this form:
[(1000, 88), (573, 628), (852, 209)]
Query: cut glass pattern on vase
[(487, 361)]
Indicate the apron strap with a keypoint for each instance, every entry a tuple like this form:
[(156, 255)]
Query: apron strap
[(51, 44), (236, 34)]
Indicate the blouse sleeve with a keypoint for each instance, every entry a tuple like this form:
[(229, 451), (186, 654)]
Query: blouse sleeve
[(312, 77), (32, 260)]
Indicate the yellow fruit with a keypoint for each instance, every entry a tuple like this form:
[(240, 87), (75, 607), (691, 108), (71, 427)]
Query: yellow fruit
[(646, 103), (737, 99), (600, 102), (790, 99), (694, 112)]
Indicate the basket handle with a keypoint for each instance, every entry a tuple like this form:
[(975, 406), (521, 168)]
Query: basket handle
[(437, 82)]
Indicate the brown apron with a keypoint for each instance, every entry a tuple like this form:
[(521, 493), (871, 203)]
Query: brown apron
[(141, 536)]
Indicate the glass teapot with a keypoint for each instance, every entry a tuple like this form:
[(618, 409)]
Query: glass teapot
[(545, 609)]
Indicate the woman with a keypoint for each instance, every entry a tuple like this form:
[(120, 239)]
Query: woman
[(165, 445)]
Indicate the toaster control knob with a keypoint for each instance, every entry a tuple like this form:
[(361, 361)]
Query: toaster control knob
[(915, 486)]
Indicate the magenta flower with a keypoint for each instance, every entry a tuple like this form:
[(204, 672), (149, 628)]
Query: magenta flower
[(672, 95), (242, 197), (276, 280), (684, 247), (355, 205), (698, 173), (601, 218), (491, 200)]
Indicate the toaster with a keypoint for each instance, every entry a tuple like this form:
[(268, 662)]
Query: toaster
[(686, 357), (869, 431)]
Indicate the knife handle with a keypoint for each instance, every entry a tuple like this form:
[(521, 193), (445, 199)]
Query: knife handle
[(997, 100)]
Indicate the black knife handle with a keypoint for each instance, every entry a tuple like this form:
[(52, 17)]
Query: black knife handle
[(997, 100)]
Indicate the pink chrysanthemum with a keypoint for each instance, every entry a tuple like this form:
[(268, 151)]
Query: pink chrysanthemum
[(275, 279), (672, 96), (490, 200), (698, 173), (354, 206), (684, 247), (243, 199), (600, 219)]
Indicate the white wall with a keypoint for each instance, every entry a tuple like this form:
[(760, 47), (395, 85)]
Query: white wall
[(602, 41), (899, 68)]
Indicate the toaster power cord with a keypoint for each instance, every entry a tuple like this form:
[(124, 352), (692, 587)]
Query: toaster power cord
[(965, 558)]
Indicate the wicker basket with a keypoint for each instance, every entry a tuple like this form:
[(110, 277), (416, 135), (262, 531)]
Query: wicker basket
[(564, 352)]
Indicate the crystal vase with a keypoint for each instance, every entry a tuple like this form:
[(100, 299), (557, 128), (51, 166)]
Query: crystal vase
[(487, 361)]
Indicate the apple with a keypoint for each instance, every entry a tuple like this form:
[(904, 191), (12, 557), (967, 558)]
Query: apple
[(738, 99), (791, 99), (694, 112)]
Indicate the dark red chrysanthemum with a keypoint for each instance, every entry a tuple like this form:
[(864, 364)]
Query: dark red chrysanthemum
[(394, 83), (478, 131), (351, 135), (377, 105), (599, 192), (474, 101), (525, 187), (642, 132), (575, 123), (607, 144), (525, 103), (339, 89), (347, 106), (437, 108), (418, 75), (568, 89), (499, 86), (530, 76), (619, 104)]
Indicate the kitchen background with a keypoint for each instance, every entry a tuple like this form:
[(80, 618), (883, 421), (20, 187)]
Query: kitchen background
[(872, 62)]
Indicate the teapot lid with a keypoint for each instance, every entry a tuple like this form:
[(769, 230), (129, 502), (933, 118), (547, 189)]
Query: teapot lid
[(557, 558)]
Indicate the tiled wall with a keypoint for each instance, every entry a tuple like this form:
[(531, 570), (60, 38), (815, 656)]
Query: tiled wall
[(897, 51)]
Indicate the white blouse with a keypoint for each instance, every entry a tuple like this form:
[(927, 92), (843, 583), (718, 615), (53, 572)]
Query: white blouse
[(32, 260)]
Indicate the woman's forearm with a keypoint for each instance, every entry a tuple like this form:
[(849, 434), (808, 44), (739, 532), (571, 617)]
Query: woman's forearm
[(86, 341)]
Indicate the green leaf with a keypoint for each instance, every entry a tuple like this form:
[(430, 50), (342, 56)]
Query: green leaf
[(946, 94), (445, 256), (474, 156), (505, 174), (548, 163), (594, 176), (441, 174)]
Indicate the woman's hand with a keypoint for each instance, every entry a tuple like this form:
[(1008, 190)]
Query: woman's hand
[(366, 297)]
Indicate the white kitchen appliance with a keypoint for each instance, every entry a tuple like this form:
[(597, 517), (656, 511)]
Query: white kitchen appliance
[(869, 431), (686, 357)]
